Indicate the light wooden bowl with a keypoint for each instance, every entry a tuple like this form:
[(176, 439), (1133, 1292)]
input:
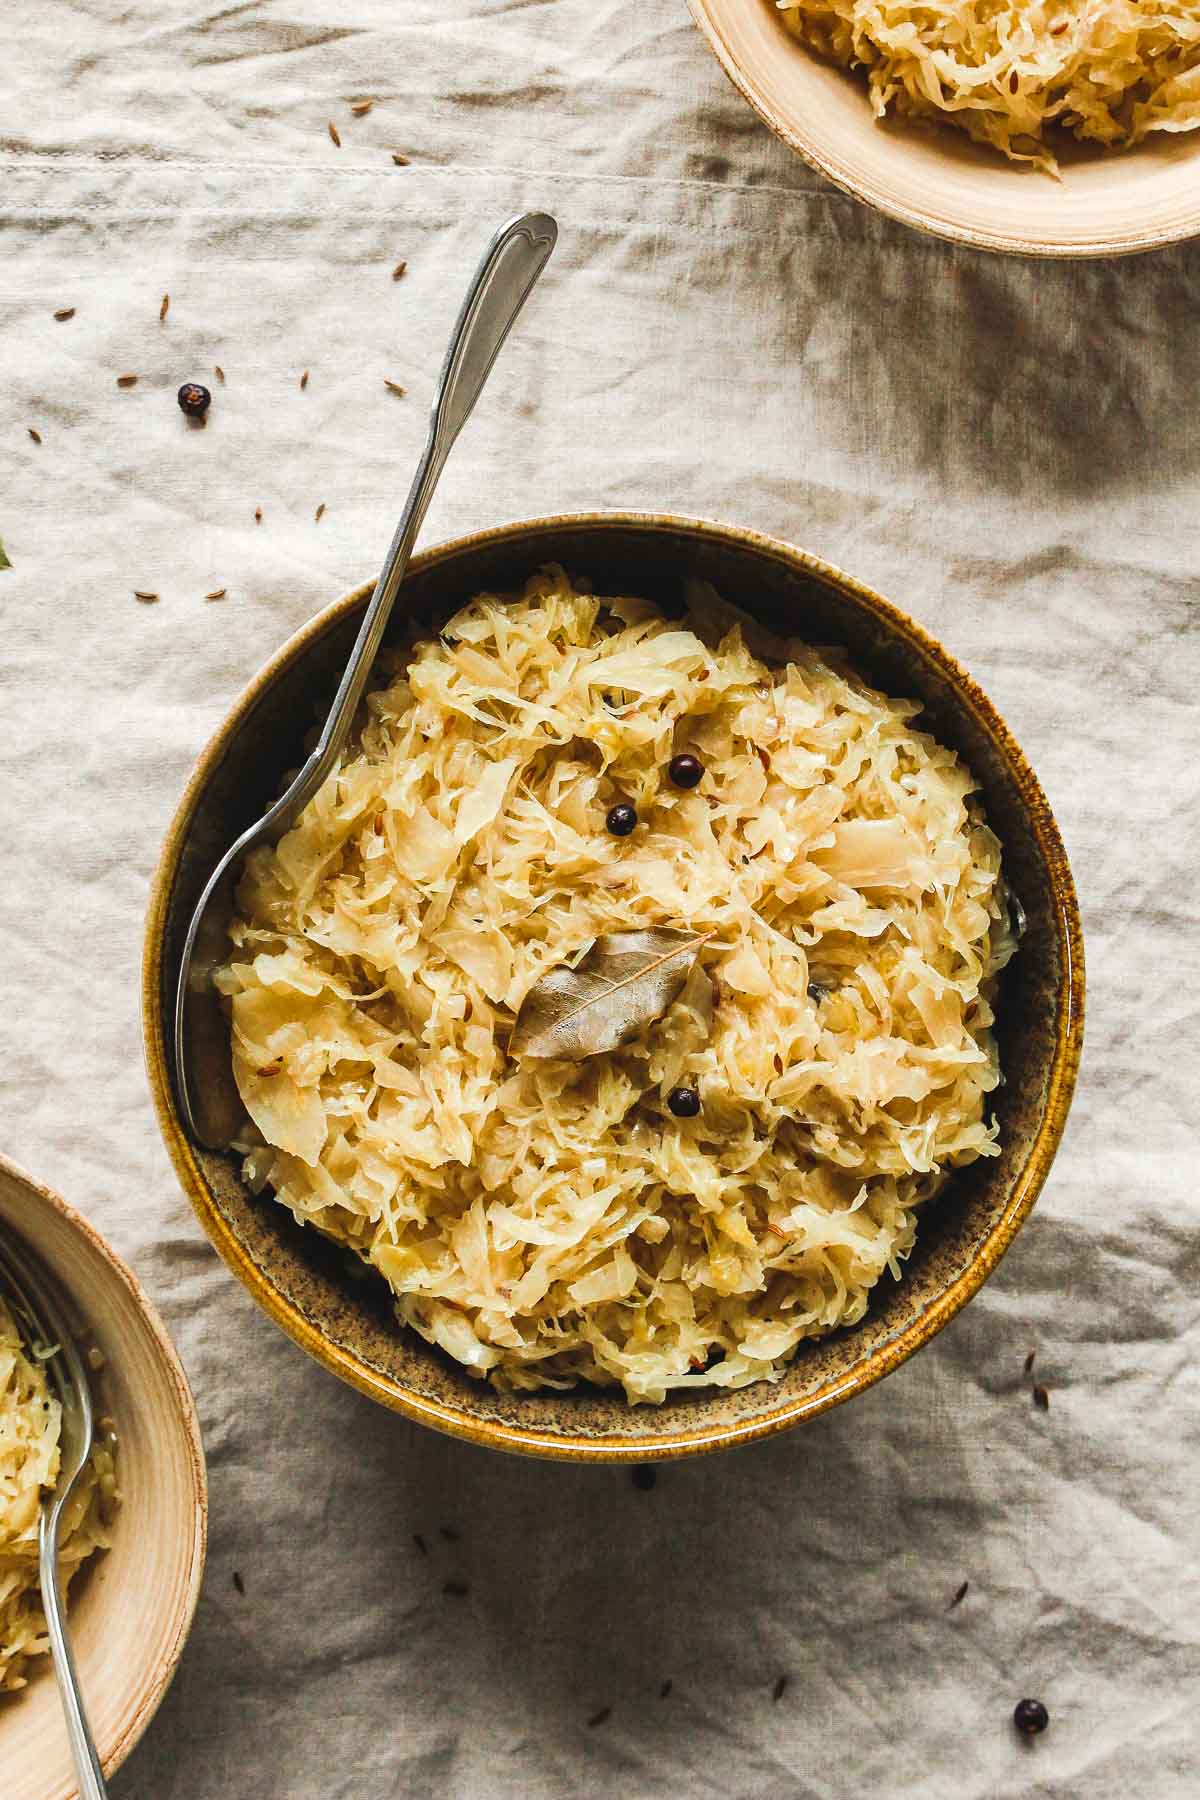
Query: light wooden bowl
[(131, 1606), (1108, 203)]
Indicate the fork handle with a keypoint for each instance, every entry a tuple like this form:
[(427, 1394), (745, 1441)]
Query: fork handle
[(87, 1763)]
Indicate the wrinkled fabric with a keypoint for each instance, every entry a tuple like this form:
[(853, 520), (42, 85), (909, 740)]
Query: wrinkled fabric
[(1010, 451)]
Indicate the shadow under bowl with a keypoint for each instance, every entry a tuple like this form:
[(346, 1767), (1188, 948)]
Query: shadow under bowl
[(348, 1323)]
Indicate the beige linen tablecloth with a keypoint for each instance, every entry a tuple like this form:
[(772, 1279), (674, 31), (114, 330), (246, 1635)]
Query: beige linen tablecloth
[(1012, 452)]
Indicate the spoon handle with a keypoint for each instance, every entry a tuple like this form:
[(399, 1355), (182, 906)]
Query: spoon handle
[(499, 289), (87, 1763), (511, 264)]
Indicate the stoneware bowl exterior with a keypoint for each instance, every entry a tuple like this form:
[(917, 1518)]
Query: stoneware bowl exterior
[(131, 1606), (348, 1323), (1107, 203)]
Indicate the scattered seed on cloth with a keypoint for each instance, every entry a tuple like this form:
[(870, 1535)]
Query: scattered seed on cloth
[(1030, 1717), (399, 270), (360, 107), (780, 1688), (194, 399), (145, 596), (217, 594), (258, 515), (401, 162), (665, 1689), (419, 1541), (64, 313), (1029, 1361), (449, 1533), (238, 1583), (319, 512), (219, 372), (600, 1718), (458, 1590), (35, 435), (393, 387), (4, 562), (960, 1594), (164, 308), (335, 134), (126, 381), (304, 381), (1041, 1396)]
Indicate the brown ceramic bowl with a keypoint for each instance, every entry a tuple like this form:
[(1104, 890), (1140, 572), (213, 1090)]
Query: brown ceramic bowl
[(347, 1323), (130, 1606), (1108, 203)]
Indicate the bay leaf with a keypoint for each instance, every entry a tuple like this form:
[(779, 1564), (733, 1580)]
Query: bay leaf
[(626, 980)]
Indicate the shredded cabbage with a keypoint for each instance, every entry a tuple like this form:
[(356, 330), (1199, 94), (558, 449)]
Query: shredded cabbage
[(1110, 71), (550, 1221), (29, 1436)]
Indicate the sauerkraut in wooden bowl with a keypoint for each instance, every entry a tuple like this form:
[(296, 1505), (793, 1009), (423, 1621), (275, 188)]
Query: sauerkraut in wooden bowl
[(1023, 76), (630, 1013), (134, 1549), (1026, 125)]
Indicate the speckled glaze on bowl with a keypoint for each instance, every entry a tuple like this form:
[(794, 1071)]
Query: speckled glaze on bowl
[(130, 1606), (348, 1323)]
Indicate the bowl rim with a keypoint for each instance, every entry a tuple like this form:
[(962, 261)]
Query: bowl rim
[(114, 1752), (630, 1445), (976, 237)]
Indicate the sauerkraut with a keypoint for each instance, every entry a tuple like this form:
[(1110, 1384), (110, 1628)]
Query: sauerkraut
[(546, 1221), (1109, 71), (30, 1420)]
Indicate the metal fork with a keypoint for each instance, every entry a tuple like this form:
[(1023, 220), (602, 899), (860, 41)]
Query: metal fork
[(42, 1322)]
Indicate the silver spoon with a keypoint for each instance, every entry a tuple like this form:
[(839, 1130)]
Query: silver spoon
[(511, 264), (40, 1322)]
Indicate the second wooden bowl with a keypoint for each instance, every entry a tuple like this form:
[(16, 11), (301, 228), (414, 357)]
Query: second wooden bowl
[(1108, 202), (130, 1606)]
